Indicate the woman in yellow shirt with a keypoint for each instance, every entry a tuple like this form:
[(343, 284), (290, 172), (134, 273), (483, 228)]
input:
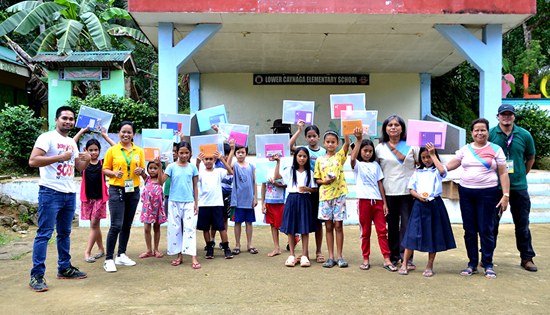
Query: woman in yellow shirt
[(123, 164)]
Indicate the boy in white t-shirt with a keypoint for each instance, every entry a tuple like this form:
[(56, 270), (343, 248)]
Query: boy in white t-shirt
[(211, 205)]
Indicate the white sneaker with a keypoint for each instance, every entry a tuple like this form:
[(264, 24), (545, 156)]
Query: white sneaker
[(109, 265), (124, 260)]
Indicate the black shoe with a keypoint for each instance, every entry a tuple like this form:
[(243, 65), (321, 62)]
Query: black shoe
[(38, 284), (227, 253), (209, 250), (71, 273)]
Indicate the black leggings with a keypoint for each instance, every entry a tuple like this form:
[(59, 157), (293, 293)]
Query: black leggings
[(399, 210), (122, 208)]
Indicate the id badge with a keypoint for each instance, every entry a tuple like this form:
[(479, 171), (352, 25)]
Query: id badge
[(129, 185), (510, 166)]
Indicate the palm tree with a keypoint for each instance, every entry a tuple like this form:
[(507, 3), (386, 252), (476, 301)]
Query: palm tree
[(71, 25)]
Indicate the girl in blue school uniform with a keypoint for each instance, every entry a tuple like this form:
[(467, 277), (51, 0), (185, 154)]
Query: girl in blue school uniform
[(312, 135), (297, 218), (429, 228)]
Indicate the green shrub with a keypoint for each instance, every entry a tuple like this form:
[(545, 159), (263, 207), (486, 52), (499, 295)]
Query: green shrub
[(537, 122), (141, 114), (18, 133)]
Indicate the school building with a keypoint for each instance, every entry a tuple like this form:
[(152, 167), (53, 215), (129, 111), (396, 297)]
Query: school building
[(237, 51)]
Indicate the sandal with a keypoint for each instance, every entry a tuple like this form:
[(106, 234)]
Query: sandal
[(403, 271), (468, 271), (253, 250), (319, 258), (146, 255), (158, 254), (176, 262), (329, 263), (342, 263), (364, 266), (490, 273), (290, 261), (99, 255), (411, 265), (304, 262), (236, 251), (90, 259), (428, 273), (390, 267), (196, 266)]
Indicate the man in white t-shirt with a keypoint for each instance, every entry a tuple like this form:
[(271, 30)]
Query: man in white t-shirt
[(57, 156)]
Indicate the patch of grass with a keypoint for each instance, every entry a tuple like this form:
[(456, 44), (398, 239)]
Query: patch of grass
[(542, 163), (6, 238), (17, 257)]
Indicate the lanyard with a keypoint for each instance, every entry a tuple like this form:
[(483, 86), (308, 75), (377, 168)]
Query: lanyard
[(508, 140), (128, 160)]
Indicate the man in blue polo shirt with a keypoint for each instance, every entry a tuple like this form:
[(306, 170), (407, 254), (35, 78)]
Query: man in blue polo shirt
[(519, 147)]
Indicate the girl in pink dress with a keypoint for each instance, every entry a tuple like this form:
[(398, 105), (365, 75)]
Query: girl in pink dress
[(152, 212)]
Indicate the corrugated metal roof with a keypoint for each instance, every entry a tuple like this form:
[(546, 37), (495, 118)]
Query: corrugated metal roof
[(8, 55), (116, 59)]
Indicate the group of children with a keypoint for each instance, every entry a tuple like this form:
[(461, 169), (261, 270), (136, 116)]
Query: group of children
[(296, 201)]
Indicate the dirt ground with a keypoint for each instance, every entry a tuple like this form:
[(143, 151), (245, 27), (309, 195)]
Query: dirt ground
[(252, 284)]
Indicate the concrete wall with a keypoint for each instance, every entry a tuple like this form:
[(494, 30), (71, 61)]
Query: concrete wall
[(258, 105)]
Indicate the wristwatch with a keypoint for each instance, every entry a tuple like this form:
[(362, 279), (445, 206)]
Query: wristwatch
[(507, 195)]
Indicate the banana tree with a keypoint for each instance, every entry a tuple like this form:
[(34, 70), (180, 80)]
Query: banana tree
[(70, 25)]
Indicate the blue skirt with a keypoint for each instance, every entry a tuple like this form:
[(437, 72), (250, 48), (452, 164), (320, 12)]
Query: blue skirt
[(429, 228), (297, 217)]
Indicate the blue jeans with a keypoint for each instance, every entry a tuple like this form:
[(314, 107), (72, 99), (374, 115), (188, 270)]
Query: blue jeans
[(479, 212), (122, 208), (520, 207), (55, 209)]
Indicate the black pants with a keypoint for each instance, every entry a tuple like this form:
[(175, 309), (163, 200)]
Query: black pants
[(399, 210), (122, 208), (520, 206)]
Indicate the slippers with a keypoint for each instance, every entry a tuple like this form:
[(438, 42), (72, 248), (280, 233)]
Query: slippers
[(236, 251), (411, 266), (468, 271), (390, 268), (176, 262), (403, 271), (329, 263), (304, 262), (196, 266), (428, 273), (158, 254), (274, 253), (490, 273), (146, 255), (320, 258), (290, 261), (99, 255), (253, 250), (364, 266), (90, 259)]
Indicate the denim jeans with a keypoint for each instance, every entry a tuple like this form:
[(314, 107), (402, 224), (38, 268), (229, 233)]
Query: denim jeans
[(122, 208), (520, 207), (479, 212), (55, 209)]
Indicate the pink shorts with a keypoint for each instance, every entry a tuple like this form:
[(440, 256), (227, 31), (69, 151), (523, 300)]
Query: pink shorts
[(93, 209)]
